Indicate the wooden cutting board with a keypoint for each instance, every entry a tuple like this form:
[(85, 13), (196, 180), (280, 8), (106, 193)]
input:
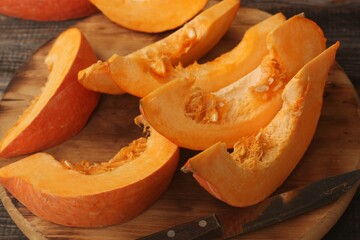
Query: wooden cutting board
[(335, 147)]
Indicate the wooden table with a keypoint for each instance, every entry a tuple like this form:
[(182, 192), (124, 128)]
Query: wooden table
[(340, 20)]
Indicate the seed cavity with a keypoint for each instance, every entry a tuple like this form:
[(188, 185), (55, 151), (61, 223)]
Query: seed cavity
[(204, 107), (273, 78), (249, 149), (126, 154)]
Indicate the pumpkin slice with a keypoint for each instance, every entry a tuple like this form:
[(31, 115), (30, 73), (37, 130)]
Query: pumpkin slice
[(87, 194), (150, 16), (63, 107), (260, 163), (210, 76), (195, 119), (144, 70), (47, 10), (98, 78), (229, 67)]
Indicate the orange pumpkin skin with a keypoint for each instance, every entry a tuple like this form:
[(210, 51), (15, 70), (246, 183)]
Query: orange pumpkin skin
[(68, 197), (144, 16), (248, 180), (112, 207), (144, 70), (196, 119), (52, 119), (47, 10)]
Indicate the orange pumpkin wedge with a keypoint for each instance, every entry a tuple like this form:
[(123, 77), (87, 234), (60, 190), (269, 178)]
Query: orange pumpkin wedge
[(235, 64), (93, 195), (150, 16), (47, 10), (64, 105), (98, 78), (260, 163), (195, 119), (144, 70)]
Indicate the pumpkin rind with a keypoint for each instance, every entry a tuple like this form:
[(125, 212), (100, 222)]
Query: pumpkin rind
[(47, 10), (68, 197), (144, 70), (283, 141), (241, 108), (63, 107)]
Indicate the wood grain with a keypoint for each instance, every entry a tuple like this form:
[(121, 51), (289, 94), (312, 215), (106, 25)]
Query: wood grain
[(334, 149)]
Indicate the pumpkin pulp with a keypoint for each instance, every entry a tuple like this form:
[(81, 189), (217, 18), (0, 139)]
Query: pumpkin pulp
[(235, 64), (195, 119), (150, 16), (261, 162), (144, 70)]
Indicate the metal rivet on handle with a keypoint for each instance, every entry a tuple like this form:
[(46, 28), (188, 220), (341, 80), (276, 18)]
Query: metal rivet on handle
[(171, 233), (202, 223)]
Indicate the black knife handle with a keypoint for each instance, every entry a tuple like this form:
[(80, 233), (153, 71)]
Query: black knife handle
[(203, 228)]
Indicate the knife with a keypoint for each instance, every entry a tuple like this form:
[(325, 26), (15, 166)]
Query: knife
[(270, 211)]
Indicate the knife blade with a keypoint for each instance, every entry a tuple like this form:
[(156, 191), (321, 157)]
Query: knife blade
[(270, 211)]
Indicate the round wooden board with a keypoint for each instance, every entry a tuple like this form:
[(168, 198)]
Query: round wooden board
[(335, 147)]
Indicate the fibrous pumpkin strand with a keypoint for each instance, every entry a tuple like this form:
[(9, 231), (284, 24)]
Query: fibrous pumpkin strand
[(204, 107), (274, 80), (126, 154), (249, 148), (163, 66), (187, 40), (158, 66)]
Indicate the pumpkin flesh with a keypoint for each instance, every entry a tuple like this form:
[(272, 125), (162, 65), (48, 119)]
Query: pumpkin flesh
[(102, 81), (144, 70), (64, 194), (63, 107), (195, 119), (235, 64), (260, 163), (150, 16)]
